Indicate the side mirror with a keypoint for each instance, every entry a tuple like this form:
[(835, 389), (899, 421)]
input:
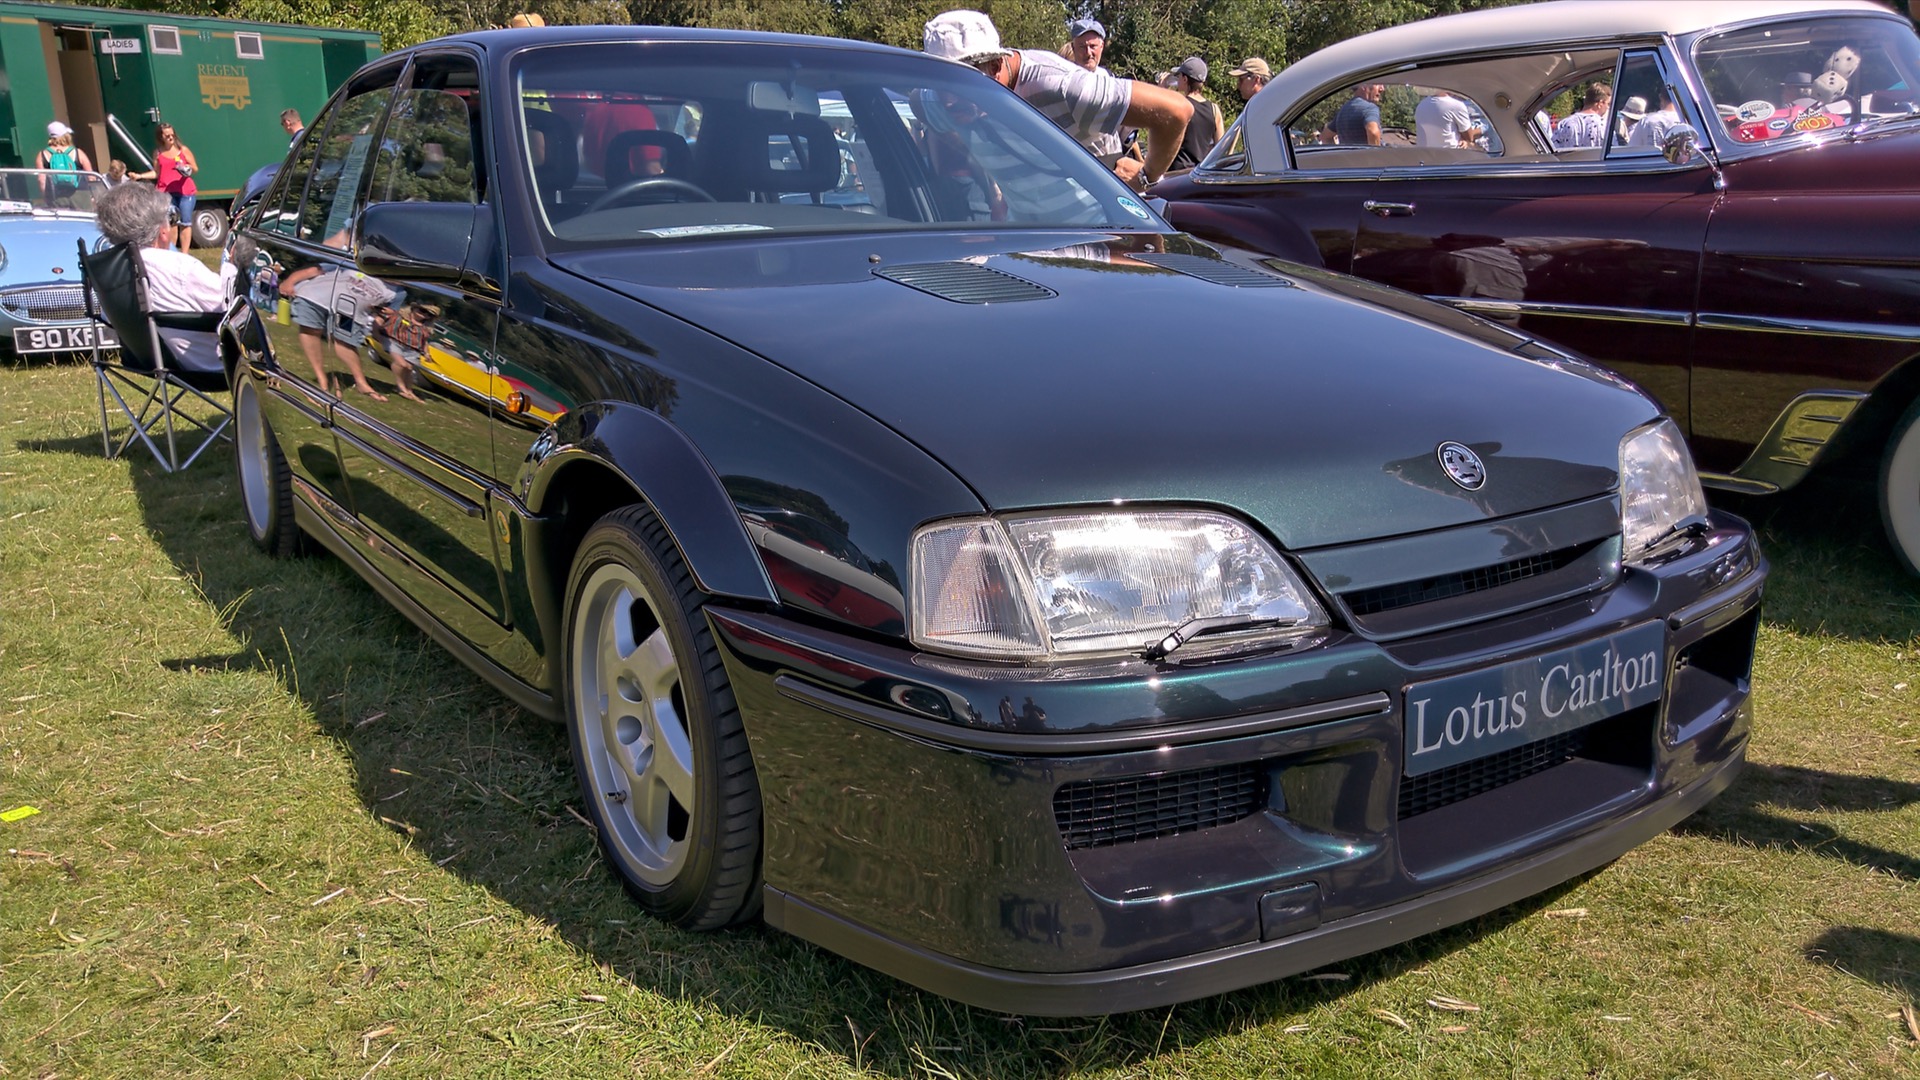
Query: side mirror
[(419, 240), (1680, 145)]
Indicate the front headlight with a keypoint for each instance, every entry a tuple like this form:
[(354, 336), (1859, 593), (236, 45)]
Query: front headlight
[(1040, 587), (1660, 496), (3, 256)]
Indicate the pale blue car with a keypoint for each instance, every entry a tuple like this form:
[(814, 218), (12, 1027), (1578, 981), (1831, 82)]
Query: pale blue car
[(44, 217)]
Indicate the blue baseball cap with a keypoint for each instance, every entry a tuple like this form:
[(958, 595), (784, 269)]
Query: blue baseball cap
[(1086, 26)]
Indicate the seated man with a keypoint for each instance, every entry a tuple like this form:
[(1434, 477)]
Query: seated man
[(142, 215)]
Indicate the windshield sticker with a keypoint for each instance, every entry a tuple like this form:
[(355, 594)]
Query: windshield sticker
[(1126, 203), (14, 206), (703, 230), (1815, 122)]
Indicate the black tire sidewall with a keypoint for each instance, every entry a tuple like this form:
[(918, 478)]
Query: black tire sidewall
[(690, 900)]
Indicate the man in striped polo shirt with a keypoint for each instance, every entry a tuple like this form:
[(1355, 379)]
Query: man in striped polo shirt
[(1086, 104)]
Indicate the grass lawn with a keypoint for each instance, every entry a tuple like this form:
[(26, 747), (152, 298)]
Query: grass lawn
[(280, 833)]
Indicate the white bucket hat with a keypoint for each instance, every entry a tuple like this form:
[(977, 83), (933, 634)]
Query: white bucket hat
[(57, 129), (963, 36)]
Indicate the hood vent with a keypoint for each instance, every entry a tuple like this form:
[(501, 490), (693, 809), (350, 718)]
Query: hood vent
[(965, 283), (1218, 271)]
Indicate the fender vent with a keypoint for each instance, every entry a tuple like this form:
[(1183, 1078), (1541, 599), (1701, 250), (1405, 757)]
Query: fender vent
[(965, 283), (1102, 813), (1218, 271)]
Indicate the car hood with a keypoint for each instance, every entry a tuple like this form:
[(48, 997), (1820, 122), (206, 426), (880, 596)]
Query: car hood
[(1106, 372), (44, 248)]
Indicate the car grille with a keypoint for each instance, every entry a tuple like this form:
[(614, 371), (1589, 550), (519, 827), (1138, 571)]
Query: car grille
[(1444, 787), (1102, 813), (45, 303), (1386, 598)]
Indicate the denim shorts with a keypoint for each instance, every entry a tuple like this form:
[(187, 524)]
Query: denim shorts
[(183, 206), (312, 316)]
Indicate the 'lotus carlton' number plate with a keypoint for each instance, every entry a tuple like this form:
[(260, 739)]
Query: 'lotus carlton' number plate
[(1471, 715)]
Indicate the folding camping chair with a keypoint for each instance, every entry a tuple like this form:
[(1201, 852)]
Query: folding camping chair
[(167, 386)]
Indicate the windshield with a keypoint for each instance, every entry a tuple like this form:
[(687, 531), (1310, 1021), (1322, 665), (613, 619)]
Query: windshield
[(24, 191), (633, 143), (1810, 75)]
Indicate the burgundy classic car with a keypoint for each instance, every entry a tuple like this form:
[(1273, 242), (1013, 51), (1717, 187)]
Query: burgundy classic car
[(1720, 201)]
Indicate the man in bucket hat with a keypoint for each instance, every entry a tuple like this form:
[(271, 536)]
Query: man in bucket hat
[(1085, 104)]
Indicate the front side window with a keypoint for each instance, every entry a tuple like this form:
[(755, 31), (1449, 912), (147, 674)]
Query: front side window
[(630, 143), (1793, 78), (339, 166), (1648, 105), (430, 150)]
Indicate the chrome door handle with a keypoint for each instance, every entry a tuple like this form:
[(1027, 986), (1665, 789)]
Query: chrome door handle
[(1388, 209)]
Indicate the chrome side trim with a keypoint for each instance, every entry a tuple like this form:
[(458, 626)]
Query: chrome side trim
[(1803, 430), (1817, 327), (1513, 309)]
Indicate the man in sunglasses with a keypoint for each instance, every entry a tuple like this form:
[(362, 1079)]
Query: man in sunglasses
[(1086, 104)]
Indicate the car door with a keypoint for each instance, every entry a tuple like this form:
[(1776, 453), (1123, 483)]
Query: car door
[(417, 453), (291, 233), (1595, 248)]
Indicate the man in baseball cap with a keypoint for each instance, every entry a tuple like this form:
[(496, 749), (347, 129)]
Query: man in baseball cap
[(1084, 103), (1252, 74)]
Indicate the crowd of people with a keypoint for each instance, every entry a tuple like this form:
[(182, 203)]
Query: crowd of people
[(172, 174)]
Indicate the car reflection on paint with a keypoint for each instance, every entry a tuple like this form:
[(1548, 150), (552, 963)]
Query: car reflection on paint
[(882, 605)]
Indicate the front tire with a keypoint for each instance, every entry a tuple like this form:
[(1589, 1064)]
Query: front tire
[(1900, 490), (266, 484), (658, 746)]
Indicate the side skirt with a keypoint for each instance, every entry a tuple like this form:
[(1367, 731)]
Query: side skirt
[(334, 527)]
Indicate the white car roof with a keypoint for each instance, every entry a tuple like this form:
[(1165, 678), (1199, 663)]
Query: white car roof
[(1563, 21)]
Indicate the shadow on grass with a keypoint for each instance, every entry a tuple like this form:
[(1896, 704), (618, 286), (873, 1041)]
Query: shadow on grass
[(1833, 571), (1881, 956), (486, 791), (1745, 814)]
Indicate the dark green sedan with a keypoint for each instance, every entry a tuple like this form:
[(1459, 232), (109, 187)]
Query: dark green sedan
[(934, 554)]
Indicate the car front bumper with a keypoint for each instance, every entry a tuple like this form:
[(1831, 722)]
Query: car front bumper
[(1125, 835)]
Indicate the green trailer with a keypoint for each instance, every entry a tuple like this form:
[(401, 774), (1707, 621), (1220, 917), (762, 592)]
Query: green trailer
[(113, 75)]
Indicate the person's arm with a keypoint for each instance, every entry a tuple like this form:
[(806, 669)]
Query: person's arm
[(186, 155), (1164, 114), (1373, 133), (287, 283), (85, 161)]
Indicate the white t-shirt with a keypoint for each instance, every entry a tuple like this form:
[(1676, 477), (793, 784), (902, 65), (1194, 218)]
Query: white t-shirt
[(176, 281), (1441, 120), (1086, 104), (1653, 127)]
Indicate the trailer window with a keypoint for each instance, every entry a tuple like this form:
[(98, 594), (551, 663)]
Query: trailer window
[(247, 46), (164, 40)]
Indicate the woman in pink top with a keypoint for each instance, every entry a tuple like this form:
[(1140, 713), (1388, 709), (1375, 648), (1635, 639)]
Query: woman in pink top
[(173, 169)]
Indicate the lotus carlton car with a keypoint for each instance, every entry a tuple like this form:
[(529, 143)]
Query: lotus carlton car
[(45, 216), (1735, 230), (1056, 673)]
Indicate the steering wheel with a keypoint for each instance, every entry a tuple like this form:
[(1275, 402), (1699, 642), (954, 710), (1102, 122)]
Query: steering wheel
[(646, 184)]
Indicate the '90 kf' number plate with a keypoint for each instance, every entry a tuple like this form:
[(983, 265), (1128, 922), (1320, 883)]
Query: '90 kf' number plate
[(1471, 715), (44, 339)]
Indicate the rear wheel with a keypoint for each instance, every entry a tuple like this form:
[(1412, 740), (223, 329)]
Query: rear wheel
[(209, 226), (662, 759), (266, 484), (1900, 489)]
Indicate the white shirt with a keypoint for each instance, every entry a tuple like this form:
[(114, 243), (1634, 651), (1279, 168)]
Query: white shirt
[(1653, 127), (1086, 104), (1579, 130), (176, 281), (1441, 120)]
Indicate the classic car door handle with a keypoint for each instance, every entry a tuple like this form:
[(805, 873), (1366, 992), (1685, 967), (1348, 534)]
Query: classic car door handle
[(1388, 209)]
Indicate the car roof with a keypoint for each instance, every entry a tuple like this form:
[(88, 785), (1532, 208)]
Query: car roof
[(506, 40), (1562, 21)]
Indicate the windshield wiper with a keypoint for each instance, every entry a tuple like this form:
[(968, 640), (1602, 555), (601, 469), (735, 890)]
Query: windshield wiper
[(1912, 113), (1203, 627)]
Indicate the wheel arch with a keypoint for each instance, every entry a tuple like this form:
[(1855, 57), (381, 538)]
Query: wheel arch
[(1861, 442), (601, 457)]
